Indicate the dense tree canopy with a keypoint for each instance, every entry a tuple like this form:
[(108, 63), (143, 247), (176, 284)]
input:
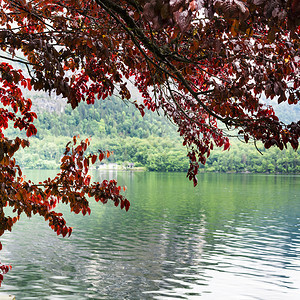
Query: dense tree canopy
[(204, 64)]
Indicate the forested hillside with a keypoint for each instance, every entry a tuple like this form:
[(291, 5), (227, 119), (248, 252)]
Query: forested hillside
[(150, 141), (111, 117)]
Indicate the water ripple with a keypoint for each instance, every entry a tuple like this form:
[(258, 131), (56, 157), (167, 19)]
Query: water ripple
[(176, 244)]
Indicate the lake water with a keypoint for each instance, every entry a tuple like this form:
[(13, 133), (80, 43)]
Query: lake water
[(232, 237)]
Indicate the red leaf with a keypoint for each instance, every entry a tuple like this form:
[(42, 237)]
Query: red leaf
[(122, 204), (70, 230), (86, 165), (87, 180), (127, 204), (268, 144), (101, 156), (29, 84), (226, 145), (195, 181), (24, 143), (88, 210), (94, 158), (31, 130), (64, 231)]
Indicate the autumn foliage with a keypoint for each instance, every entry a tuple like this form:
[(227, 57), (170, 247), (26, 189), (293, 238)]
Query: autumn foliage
[(204, 64)]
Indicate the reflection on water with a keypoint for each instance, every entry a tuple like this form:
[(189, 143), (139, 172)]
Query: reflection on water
[(232, 237)]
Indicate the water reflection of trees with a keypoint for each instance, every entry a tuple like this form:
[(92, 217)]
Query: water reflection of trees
[(175, 240)]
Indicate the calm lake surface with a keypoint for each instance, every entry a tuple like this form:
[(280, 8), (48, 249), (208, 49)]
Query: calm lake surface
[(232, 237)]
